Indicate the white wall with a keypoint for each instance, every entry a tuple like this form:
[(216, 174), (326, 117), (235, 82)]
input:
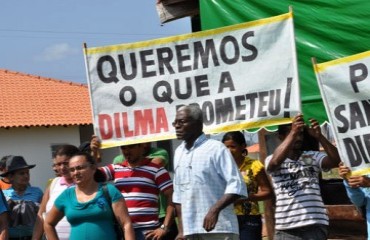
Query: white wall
[(34, 144)]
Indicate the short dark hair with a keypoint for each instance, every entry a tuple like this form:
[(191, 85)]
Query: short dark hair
[(66, 150), (99, 175), (284, 129), (147, 147), (3, 162), (309, 142), (235, 136), (85, 147), (88, 157)]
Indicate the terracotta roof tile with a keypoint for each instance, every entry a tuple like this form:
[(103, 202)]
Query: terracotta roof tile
[(255, 148), (27, 100)]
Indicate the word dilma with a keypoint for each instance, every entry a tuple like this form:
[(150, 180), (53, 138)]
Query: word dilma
[(144, 122)]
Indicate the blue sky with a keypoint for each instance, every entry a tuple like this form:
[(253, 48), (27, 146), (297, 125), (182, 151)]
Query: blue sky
[(45, 37)]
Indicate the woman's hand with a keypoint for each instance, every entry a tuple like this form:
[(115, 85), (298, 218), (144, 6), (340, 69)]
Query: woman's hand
[(358, 181), (121, 214), (95, 148), (52, 218), (353, 181), (343, 171)]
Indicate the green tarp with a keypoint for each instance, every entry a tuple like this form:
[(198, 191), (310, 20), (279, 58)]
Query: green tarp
[(324, 29)]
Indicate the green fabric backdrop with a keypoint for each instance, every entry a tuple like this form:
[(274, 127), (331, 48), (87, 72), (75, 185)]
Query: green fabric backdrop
[(324, 29)]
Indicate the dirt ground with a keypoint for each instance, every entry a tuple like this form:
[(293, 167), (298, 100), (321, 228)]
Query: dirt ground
[(341, 230)]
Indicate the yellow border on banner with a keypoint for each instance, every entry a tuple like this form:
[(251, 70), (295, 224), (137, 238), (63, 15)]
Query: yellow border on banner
[(149, 43), (323, 66), (109, 144), (360, 172), (233, 127), (250, 125)]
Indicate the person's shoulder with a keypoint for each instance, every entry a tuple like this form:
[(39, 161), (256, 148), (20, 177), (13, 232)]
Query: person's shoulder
[(267, 160), (111, 187), (66, 196), (316, 155), (57, 180), (69, 190), (35, 189), (108, 186), (180, 146), (8, 191), (214, 143), (112, 166), (149, 163)]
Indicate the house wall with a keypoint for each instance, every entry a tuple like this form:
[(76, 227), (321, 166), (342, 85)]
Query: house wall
[(34, 144)]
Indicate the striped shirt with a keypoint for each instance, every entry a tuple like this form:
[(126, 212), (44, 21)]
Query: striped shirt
[(297, 190), (140, 186)]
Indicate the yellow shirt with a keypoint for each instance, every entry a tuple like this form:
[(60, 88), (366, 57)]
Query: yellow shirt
[(249, 170)]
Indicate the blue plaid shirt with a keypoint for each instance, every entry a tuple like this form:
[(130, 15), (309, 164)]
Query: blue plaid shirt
[(203, 175)]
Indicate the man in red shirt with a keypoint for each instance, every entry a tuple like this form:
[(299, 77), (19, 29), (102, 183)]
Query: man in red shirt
[(140, 182)]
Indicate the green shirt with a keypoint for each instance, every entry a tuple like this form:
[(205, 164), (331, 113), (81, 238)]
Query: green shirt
[(153, 153)]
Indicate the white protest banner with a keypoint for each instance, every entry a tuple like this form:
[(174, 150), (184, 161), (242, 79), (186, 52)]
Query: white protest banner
[(242, 76), (345, 88)]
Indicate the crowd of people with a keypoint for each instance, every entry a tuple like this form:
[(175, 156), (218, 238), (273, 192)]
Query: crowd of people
[(214, 193)]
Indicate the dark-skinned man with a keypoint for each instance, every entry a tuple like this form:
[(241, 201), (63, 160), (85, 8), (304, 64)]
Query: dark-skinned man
[(206, 182), (295, 168)]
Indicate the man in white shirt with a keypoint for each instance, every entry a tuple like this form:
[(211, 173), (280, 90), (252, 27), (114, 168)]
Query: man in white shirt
[(206, 182)]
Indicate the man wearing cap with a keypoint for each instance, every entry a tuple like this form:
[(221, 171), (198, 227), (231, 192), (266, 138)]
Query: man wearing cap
[(22, 220)]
